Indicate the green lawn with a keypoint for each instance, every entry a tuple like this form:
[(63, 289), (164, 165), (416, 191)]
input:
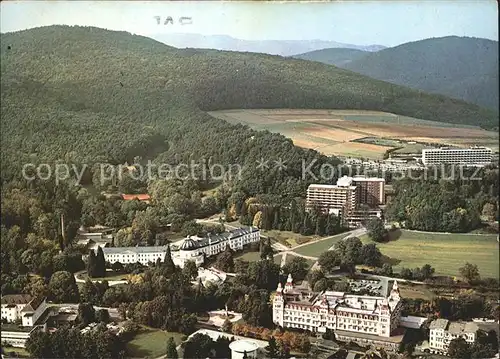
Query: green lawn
[(316, 248), (151, 343), (19, 352), (445, 252), (292, 238), (249, 256)]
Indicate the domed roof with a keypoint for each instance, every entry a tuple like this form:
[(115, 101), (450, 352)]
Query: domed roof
[(243, 345), (188, 245)]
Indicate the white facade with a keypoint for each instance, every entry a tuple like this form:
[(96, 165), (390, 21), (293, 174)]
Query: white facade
[(29, 313), (13, 309), (18, 338), (190, 249), (442, 332), (12, 305), (240, 347), (479, 156), (126, 255), (376, 316)]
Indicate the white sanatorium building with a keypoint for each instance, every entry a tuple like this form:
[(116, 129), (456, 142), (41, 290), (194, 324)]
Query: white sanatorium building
[(192, 248), (32, 313), (363, 319), (477, 156), (442, 332)]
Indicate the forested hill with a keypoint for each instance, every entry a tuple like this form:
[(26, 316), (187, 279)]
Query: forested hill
[(333, 56), (460, 67), (80, 94)]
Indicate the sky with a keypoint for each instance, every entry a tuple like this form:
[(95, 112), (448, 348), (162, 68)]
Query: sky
[(384, 22)]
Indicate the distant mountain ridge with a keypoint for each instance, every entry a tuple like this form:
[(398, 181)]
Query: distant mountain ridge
[(336, 56), (465, 68), (272, 47)]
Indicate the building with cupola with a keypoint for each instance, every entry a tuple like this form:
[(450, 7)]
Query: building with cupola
[(367, 320), (192, 248)]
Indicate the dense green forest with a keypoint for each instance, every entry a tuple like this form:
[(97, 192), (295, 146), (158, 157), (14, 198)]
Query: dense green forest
[(460, 67), (444, 205), (86, 95)]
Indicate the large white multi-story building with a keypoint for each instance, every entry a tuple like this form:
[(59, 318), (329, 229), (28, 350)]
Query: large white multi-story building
[(442, 332), (346, 198), (475, 156), (31, 313), (365, 319), (190, 249)]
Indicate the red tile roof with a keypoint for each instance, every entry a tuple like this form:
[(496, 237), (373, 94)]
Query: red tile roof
[(140, 197)]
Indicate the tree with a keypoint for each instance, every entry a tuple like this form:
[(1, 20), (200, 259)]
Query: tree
[(91, 264), (426, 271), (406, 273), (386, 270), (102, 316), (86, 314), (459, 349), (329, 261), (283, 350), (168, 263), (171, 349), (272, 349), (225, 260), (100, 263), (190, 270), (297, 267), (63, 288), (314, 276), (469, 272), (489, 211), (376, 230), (39, 344), (371, 255)]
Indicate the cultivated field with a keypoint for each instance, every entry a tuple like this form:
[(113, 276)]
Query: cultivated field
[(445, 252), (332, 132)]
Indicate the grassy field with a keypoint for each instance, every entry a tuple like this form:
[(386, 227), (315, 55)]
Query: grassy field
[(318, 247), (415, 292), (151, 343), (290, 237), (445, 252), (337, 132)]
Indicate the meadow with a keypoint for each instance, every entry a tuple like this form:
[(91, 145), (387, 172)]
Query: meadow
[(445, 252), (338, 132), (316, 248), (151, 343)]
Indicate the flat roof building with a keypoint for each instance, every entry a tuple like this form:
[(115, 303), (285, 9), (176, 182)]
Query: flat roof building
[(443, 331), (345, 197), (474, 156)]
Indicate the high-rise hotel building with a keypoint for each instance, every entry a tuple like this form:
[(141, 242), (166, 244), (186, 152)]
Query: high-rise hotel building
[(474, 156), (345, 198)]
